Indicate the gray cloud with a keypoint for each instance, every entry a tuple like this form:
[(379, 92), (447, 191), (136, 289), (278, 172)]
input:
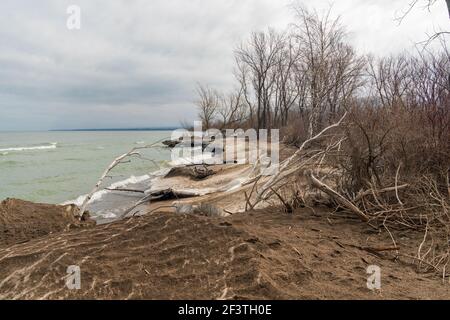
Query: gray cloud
[(136, 63)]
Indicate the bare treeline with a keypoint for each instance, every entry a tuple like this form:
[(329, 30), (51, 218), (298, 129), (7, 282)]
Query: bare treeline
[(388, 161), (306, 76), (306, 73)]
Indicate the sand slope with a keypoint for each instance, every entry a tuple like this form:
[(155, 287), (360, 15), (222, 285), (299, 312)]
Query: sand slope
[(258, 255), (21, 221)]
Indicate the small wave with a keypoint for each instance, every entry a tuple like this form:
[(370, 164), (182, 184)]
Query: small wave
[(99, 194), (43, 147), (139, 142), (4, 153)]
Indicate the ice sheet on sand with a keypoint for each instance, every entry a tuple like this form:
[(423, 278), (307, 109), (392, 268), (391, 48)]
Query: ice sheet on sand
[(107, 205), (202, 157), (108, 215), (99, 194), (235, 184)]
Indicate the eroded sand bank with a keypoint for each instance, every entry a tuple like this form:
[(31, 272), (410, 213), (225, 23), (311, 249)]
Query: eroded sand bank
[(168, 251)]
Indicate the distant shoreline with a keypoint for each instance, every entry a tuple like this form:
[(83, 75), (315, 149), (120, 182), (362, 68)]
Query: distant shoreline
[(119, 129)]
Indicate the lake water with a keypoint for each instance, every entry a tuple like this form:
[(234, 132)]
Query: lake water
[(54, 167)]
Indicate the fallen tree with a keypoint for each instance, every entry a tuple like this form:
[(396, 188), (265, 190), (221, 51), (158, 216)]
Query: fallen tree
[(196, 172), (134, 152)]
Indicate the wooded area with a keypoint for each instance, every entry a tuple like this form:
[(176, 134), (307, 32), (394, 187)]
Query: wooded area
[(387, 162)]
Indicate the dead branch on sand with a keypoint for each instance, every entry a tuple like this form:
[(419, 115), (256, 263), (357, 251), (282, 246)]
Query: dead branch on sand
[(287, 167), (335, 195), (117, 161)]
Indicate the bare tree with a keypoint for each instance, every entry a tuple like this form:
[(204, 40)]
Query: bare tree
[(287, 91), (207, 103), (231, 109), (427, 4), (333, 71), (242, 75), (259, 56), (390, 78)]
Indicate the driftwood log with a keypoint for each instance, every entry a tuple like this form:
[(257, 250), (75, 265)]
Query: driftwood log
[(160, 195), (196, 172), (117, 161), (286, 168), (185, 143), (171, 143), (335, 195)]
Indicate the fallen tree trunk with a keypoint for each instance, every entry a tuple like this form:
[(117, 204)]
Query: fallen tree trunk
[(316, 183), (370, 192), (196, 172), (161, 195), (125, 190), (116, 162), (171, 143), (284, 166)]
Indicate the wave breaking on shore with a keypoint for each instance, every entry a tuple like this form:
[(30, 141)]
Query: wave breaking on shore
[(52, 145)]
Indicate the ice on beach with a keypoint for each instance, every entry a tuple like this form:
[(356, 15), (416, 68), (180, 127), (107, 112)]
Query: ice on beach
[(99, 194), (198, 157), (109, 215)]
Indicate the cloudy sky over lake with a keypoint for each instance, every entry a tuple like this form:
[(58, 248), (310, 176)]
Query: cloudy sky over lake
[(135, 63)]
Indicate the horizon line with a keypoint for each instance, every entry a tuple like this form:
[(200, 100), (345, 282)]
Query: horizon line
[(121, 129)]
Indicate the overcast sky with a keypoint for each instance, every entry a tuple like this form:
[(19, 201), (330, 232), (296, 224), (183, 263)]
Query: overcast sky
[(135, 63)]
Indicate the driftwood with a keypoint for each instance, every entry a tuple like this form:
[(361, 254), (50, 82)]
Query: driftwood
[(335, 195), (161, 195), (116, 162), (171, 143), (286, 168), (366, 193), (125, 190), (185, 143), (169, 193), (196, 172)]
